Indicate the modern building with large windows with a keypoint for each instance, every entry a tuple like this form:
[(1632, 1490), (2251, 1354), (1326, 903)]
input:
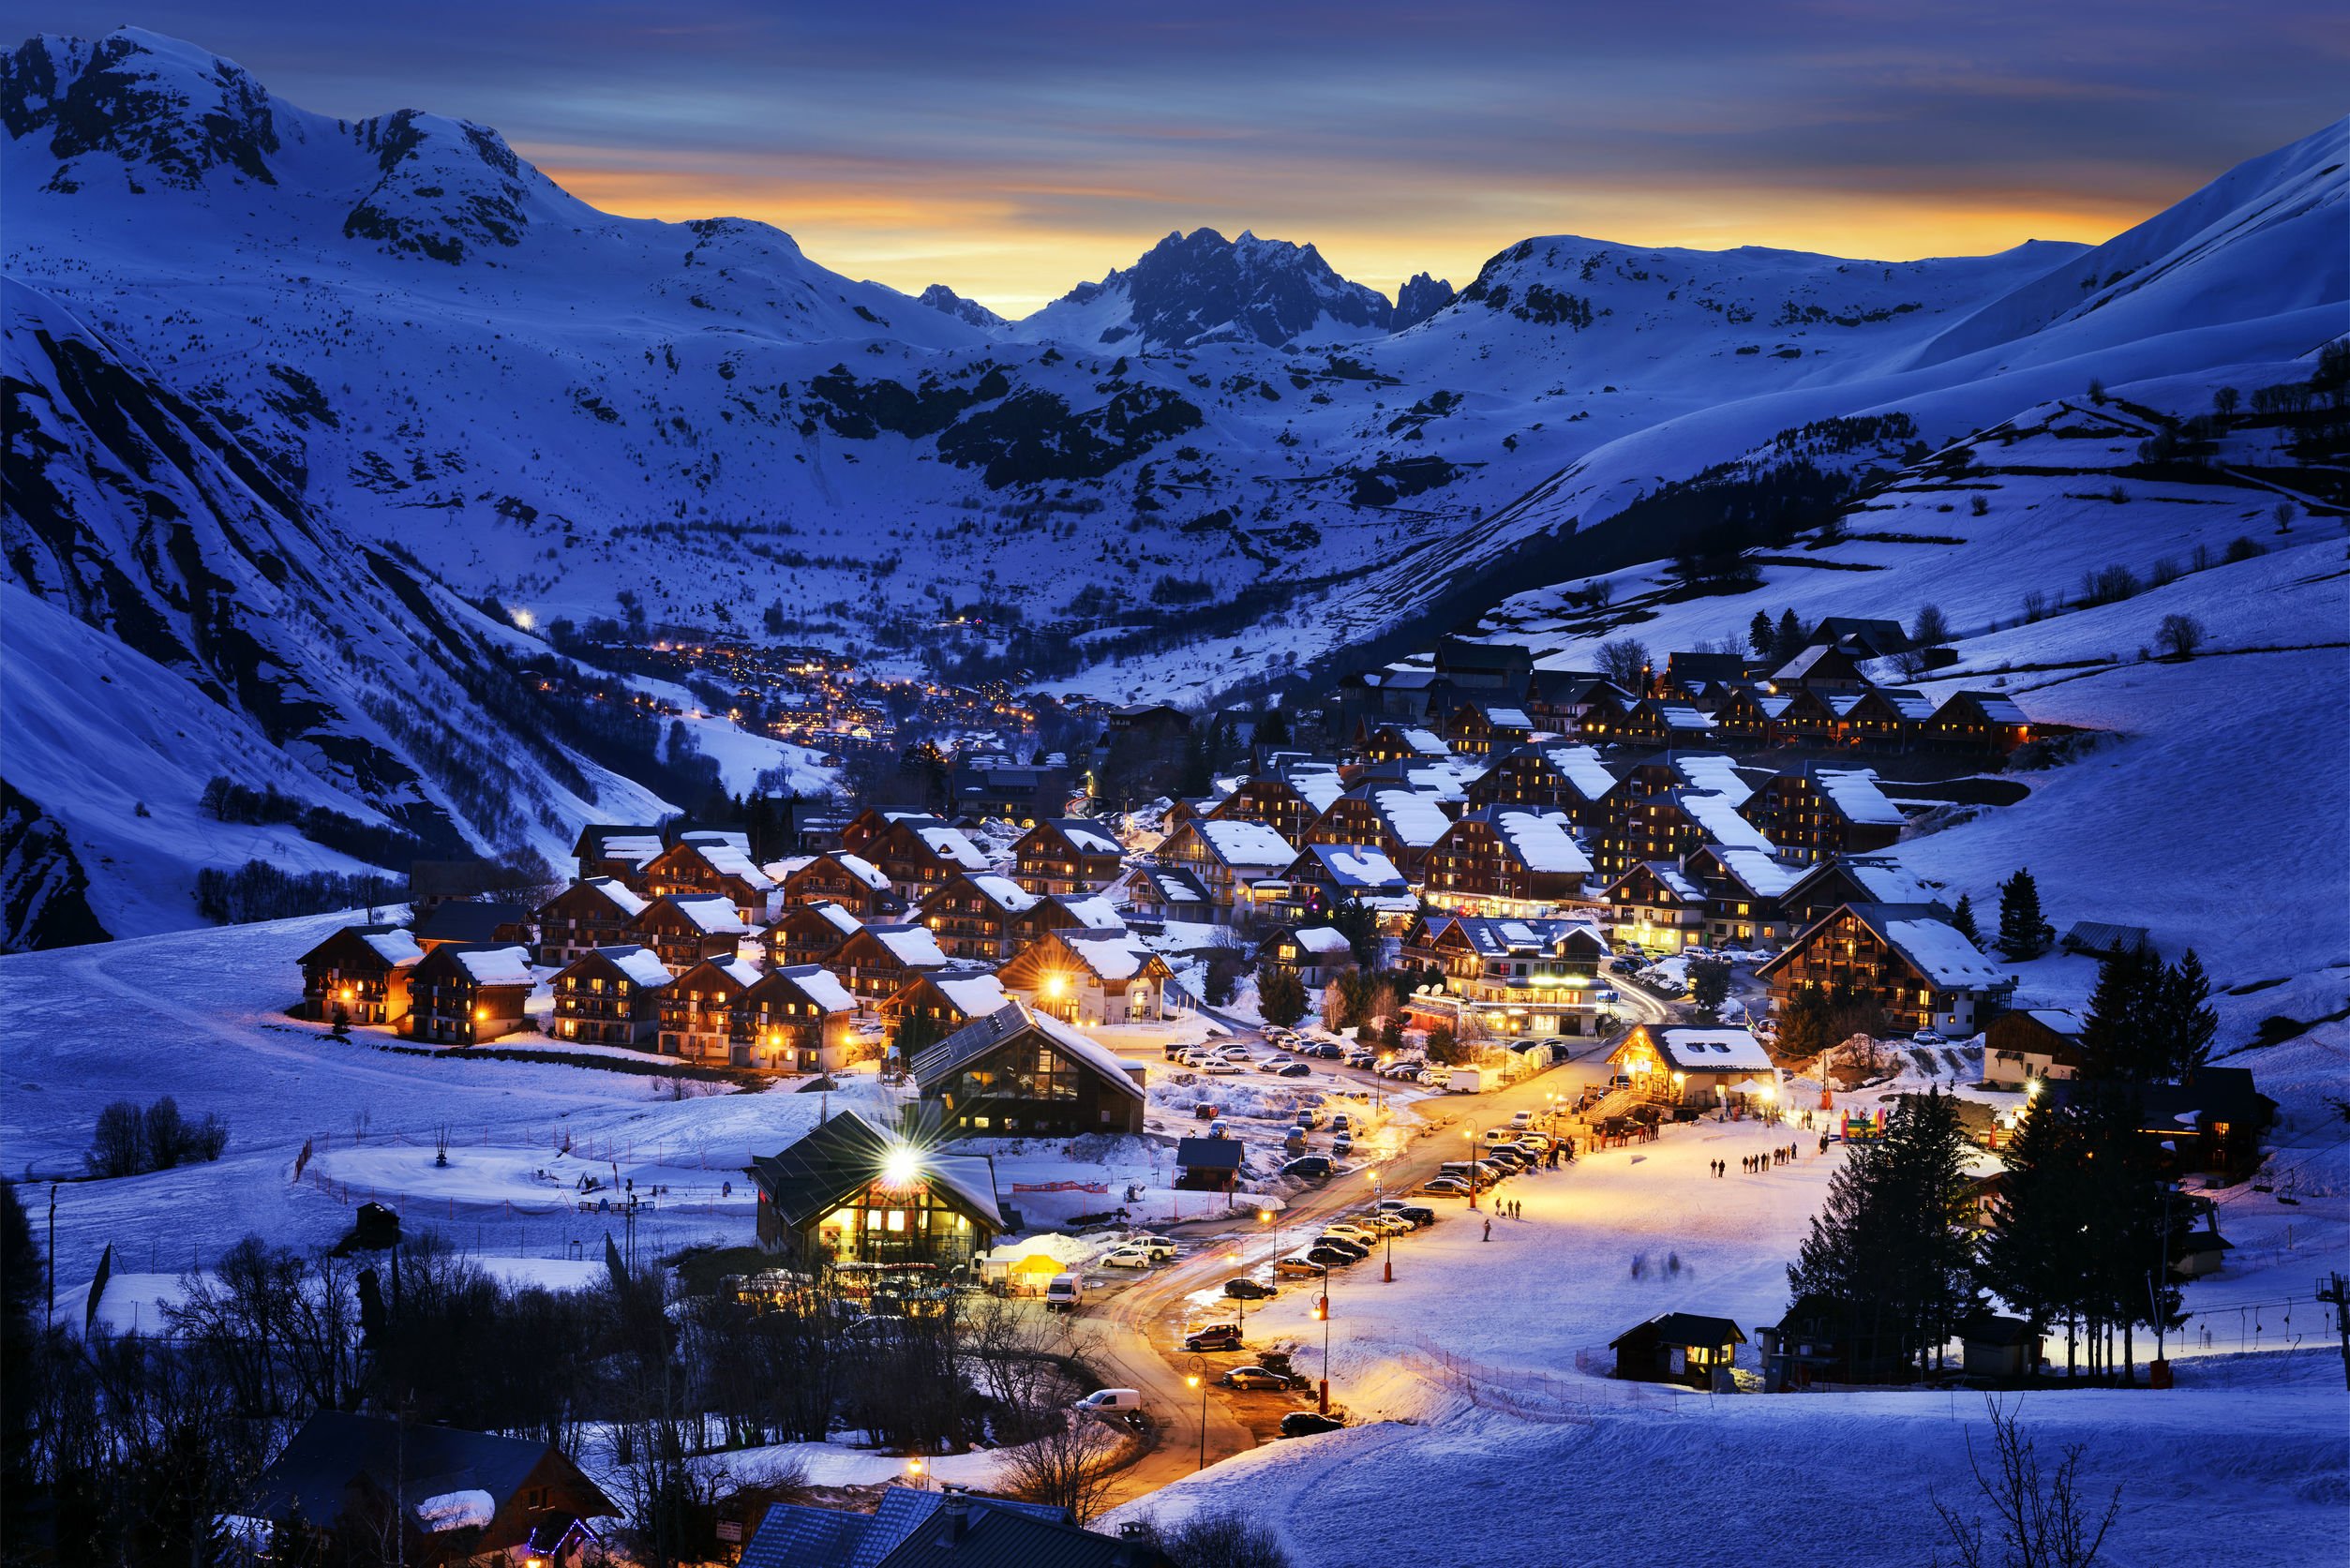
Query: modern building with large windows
[(849, 1193), (1019, 1072)]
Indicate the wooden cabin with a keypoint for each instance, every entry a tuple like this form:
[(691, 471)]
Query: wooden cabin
[(463, 996), (2031, 1045), (809, 933), (598, 912), (1987, 724), (1905, 958), (610, 996), (1821, 667), (1828, 884), (1228, 859), (1022, 1073), (698, 1009), (1742, 889), (683, 930), (616, 850), (1678, 1347), (1482, 729), (918, 853), (1657, 906), (1527, 777), (1402, 823), (852, 881), (983, 915), (1824, 812), (1273, 802), (1746, 719), (1316, 955), (699, 865), (877, 962), (1067, 855), (359, 975), (930, 1007), (797, 1020), (1703, 1066), (1525, 979), (1171, 894)]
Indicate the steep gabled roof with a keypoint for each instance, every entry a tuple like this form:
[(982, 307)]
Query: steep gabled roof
[(1008, 1023), (841, 1155)]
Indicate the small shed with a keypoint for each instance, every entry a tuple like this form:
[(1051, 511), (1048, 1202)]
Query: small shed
[(2097, 938), (2201, 1253), (1208, 1164), (1677, 1347), (1999, 1347)]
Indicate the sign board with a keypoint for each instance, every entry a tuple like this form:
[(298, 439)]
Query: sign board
[(731, 1529)]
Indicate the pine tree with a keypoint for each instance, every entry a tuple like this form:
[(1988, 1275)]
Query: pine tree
[(1360, 924), (2122, 1037), (2189, 1025), (1281, 994), (1759, 634), (1962, 919), (2023, 932), (2028, 1257), (1790, 641)]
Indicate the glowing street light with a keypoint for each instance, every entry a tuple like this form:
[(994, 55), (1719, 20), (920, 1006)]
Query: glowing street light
[(900, 1166), (914, 1472)]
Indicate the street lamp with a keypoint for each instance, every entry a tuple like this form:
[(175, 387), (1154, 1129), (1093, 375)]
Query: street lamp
[(1471, 1134), (1198, 1380), (1322, 1310), (914, 1472)]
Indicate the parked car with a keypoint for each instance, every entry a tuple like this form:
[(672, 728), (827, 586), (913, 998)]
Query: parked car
[(1254, 1377), (1360, 1059), (1341, 1122), (1328, 1051), (1356, 1251), (1127, 1258), (1306, 1423), (1341, 1145), (1111, 1401), (1330, 1256), (1065, 1293), (1445, 1187), (1297, 1266), (1389, 1222), (1419, 1213), (1222, 1067), (1927, 1037), (1294, 1069), (1245, 1289), (1215, 1336), (1312, 1167)]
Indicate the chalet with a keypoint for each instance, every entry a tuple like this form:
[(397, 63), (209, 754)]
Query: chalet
[(1273, 802), (930, 1007), (1229, 858), (1673, 824), (1822, 1339), (809, 933), (918, 853), (698, 1009), (1208, 1164), (849, 880), (1852, 879), (462, 995), (1742, 889), (1605, 710), (1982, 722), (1152, 723), (1903, 957), (359, 975), (1522, 978), (1523, 776), (1326, 875), (1317, 955), (1089, 978), (1664, 722), (1502, 860), (1683, 1065), (1010, 792), (1484, 666), (1824, 812), (610, 996), (1403, 824), (1712, 773), (1997, 1348), (1398, 743), (1556, 701), (1678, 1347), (869, 824), (1885, 719), (2210, 1121), (1824, 666), (598, 912), (1814, 716), (1169, 893), (472, 922), (849, 1193), (1860, 636), (795, 1020), (914, 1528), (619, 852), (1696, 675), (982, 916), (1657, 906), (1021, 1073), (431, 1495), (699, 864), (2031, 1045), (877, 961), (1481, 729), (685, 930), (1067, 855), (1747, 719)]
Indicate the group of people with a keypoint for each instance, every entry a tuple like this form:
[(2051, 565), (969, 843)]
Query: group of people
[(1754, 1165)]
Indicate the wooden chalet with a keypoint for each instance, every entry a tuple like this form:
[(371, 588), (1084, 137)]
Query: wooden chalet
[(1172, 894), (610, 996), (463, 996), (1067, 855), (616, 850), (598, 912), (1903, 957), (1821, 667), (1657, 906), (1501, 861), (1863, 636), (1823, 812), (359, 975), (1525, 776), (1484, 667), (1154, 723), (877, 962), (1273, 802), (1704, 677), (1532, 978), (1228, 859), (1830, 884), (809, 933), (930, 1007), (1022, 1073), (1662, 721), (429, 1495), (698, 864), (1398, 742), (1089, 977), (1483, 730), (1813, 717), (1982, 722), (852, 881), (1679, 1347), (1325, 876), (698, 1009), (1605, 708), (1403, 824), (916, 854), (684, 929), (848, 1194), (2030, 1044), (1316, 955), (1672, 1064), (984, 916), (2210, 1122), (1746, 718), (1822, 1339), (796, 1019), (1742, 888), (1885, 719)]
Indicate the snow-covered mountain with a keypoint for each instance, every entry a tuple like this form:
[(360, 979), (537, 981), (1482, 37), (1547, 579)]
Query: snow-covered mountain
[(1200, 288)]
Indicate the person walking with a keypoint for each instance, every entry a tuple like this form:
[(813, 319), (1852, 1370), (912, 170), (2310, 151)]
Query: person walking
[(1489, 1228)]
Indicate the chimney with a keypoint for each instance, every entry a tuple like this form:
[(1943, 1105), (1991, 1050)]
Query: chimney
[(955, 1503)]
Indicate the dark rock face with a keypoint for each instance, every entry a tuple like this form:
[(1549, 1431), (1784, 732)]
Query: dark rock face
[(1419, 299), (945, 301), (1201, 287), (44, 893), (115, 95)]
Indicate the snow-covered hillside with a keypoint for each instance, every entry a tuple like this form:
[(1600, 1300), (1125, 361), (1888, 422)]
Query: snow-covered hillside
[(426, 339)]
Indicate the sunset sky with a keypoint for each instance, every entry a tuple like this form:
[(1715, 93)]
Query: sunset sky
[(1012, 150)]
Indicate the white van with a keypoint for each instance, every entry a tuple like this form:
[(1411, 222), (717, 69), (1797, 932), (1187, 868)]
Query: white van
[(1064, 1292), (1111, 1401)]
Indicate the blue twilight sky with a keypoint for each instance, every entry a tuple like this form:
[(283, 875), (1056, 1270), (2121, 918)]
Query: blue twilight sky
[(1012, 149)]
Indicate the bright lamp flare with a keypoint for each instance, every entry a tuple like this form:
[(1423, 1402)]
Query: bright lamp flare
[(900, 1167)]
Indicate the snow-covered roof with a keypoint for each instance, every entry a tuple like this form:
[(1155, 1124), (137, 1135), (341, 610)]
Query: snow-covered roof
[(2064, 1022), (1005, 893), (1717, 814), (498, 965), (1511, 717), (1070, 1038), (1855, 793), (711, 912), (1673, 878), (1940, 953), (1581, 767), (950, 845), (1246, 844), (641, 965), (973, 994), (985, 1033), (778, 870), (911, 945), (1415, 818), (739, 970), (1113, 955), (1321, 939), (1764, 876), (396, 947), (1679, 715), (735, 839), (621, 895), (1886, 882), (1089, 840), (1541, 841), (1711, 1050), (839, 916), (1093, 911), (1357, 865), (821, 986), (1426, 742), (1318, 789), (1715, 773), (728, 861), (643, 848), (861, 868)]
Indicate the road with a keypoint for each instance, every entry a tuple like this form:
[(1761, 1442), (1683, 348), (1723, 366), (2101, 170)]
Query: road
[(1140, 1328)]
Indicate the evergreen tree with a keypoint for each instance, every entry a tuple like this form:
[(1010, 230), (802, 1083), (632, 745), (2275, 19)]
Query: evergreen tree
[(1360, 924), (1281, 994), (1709, 984), (2023, 932), (1962, 919), (1273, 727), (1790, 640), (2122, 1037), (1759, 634), (2189, 1025), (1804, 1024), (2029, 1258)]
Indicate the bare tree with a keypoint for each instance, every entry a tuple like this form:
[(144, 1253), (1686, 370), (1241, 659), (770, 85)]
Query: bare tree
[(1070, 1466), (2044, 1519), (1625, 661), (1216, 1540), (1933, 627), (2180, 636)]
